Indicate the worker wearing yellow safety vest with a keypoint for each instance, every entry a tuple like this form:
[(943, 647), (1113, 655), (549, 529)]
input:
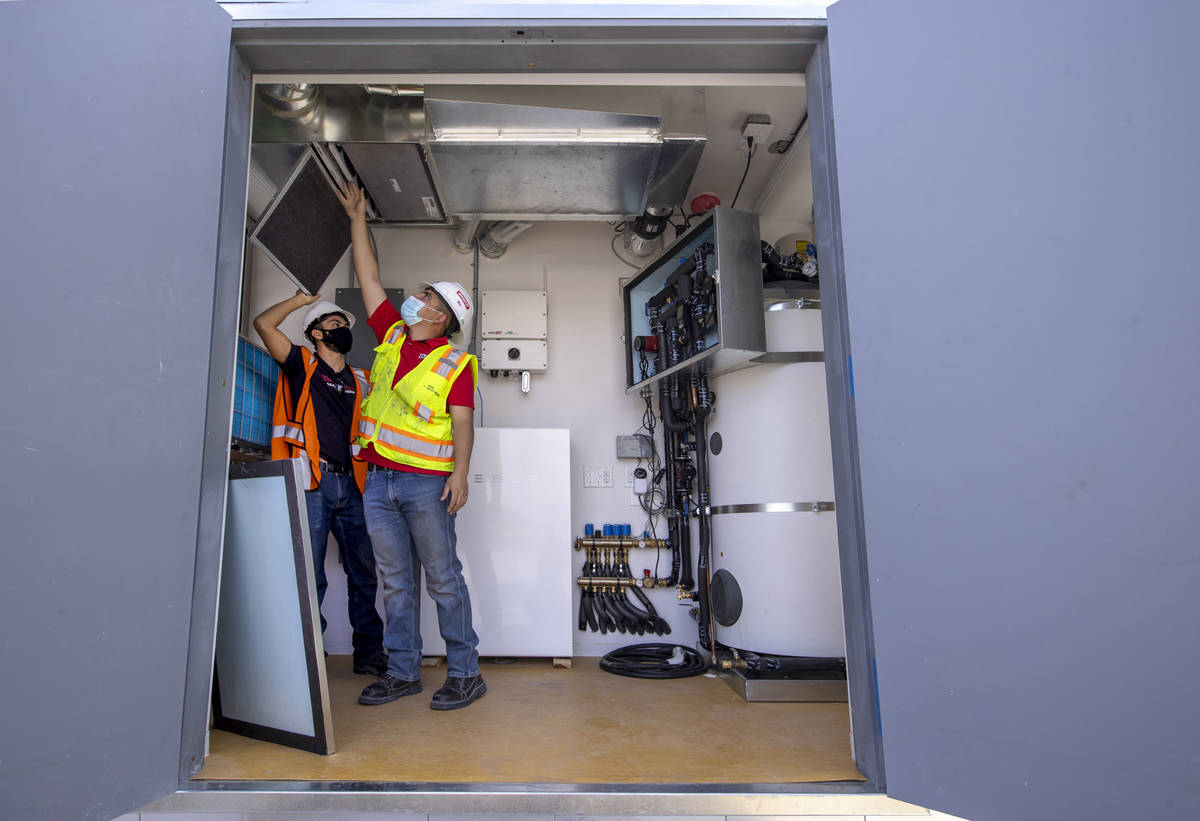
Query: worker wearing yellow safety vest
[(416, 431), (317, 408)]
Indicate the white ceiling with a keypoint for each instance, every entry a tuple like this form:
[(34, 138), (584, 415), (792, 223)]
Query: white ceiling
[(724, 158)]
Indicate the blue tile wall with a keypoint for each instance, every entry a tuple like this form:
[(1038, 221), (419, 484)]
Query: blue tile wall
[(253, 394)]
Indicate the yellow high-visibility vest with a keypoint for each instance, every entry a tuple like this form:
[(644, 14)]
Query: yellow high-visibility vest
[(410, 423)]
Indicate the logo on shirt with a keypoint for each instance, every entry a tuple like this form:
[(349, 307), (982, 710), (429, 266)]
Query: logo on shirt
[(340, 388)]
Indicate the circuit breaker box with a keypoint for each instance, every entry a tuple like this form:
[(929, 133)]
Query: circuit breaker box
[(512, 330)]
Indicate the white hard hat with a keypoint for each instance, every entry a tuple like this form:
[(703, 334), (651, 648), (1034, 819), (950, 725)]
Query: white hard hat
[(322, 309), (455, 295)]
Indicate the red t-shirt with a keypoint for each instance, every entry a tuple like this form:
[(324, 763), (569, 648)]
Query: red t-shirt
[(462, 391)]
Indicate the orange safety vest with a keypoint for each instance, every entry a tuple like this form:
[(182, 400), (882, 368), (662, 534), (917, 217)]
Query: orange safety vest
[(294, 429)]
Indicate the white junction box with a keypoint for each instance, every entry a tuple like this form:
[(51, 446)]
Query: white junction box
[(512, 329)]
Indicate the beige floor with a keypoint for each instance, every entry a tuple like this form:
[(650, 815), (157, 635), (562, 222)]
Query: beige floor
[(540, 724)]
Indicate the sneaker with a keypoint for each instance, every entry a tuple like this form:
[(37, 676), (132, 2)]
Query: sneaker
[(373, 665), (388, 688), (458, 692)]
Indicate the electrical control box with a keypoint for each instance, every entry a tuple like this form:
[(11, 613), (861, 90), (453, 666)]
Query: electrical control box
[(698, 306), (512, 330)]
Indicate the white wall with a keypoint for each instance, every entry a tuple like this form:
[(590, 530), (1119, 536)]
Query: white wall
[(786, 205), (583, 387)]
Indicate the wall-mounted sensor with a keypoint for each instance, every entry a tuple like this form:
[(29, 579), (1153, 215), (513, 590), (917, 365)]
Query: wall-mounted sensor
[(640, 481)]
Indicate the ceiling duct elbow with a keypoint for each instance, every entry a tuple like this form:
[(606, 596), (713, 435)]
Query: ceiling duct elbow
[(291, 101), (464, 236), (499, 235)]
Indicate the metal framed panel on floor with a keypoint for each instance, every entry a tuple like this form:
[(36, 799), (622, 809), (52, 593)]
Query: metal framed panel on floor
[(269, 651)]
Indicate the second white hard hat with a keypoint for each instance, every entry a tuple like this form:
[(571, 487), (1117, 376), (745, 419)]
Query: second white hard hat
[(322, 309), (455, 295)]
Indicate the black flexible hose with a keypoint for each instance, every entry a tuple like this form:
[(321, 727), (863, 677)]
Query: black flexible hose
[(608, 624), (593, 620), (638, 620), (704, 560), (660, 625), (615, 612), (654, 661), (633, 620)]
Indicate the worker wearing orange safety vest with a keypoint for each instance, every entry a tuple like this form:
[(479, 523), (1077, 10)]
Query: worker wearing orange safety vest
[(416, 431), (317, 409)]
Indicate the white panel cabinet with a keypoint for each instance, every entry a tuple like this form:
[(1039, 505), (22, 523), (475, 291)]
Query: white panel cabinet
[(514, 540)]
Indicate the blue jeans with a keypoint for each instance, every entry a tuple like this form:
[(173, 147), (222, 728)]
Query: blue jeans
[(411, 528), (336, 504)]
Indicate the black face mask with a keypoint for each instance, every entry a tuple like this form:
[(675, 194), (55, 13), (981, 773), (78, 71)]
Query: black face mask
[(340, 339)]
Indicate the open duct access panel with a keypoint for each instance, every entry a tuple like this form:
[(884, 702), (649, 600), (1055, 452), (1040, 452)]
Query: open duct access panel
[(697, 307)]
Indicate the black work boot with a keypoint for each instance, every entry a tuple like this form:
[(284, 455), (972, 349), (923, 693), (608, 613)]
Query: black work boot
[(458, 692), (372, 665), (388, 688)]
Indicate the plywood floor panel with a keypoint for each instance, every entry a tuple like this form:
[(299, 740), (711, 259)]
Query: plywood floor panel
[(540, 724)]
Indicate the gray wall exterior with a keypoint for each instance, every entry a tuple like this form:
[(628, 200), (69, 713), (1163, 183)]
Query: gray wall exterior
[(1019, 190), (109, 244)]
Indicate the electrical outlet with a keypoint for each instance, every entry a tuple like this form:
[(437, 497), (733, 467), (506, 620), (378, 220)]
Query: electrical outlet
[(597, 476), (629, 477)]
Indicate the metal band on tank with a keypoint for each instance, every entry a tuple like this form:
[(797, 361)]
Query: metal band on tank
[(774, 507)]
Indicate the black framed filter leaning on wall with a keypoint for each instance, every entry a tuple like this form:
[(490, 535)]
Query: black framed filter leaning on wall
[(269, 677)]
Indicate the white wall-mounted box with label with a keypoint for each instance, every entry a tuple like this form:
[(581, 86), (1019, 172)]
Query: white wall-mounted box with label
[(512, 330)]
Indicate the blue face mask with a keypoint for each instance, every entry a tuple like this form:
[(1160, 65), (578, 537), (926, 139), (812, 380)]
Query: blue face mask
[(408, 310)]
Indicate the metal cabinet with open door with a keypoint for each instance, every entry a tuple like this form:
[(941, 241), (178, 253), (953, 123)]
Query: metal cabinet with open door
[(991, 182)]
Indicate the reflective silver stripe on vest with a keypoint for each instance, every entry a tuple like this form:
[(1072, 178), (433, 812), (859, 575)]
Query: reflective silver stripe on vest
[(364, 384), (394, 335), (448, 363), (423, 411), (355, 450), (417, 446), (287, 432), (366, 427)]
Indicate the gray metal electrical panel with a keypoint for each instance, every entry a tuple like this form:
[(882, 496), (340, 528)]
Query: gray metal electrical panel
[(698, 305)]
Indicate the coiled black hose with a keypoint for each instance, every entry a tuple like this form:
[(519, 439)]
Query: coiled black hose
[(654, 661)]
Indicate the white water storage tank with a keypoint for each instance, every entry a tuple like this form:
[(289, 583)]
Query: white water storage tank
[(771, 433)]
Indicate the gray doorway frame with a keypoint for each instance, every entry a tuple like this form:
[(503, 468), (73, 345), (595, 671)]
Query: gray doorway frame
[(392, 46)]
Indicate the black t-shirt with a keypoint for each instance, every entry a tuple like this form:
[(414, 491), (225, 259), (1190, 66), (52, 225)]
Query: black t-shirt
[(332, 397)]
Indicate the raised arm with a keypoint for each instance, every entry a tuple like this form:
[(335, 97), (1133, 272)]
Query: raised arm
[(366, 267), (267, 324)]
